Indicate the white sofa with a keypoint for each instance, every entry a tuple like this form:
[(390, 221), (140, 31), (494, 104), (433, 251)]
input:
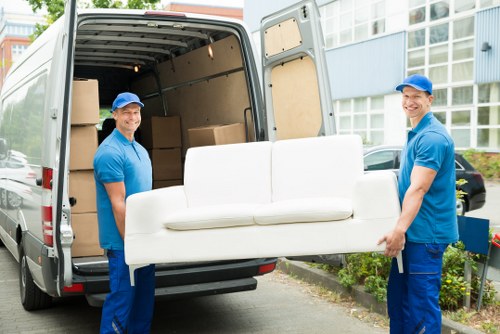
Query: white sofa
[(288, 198)]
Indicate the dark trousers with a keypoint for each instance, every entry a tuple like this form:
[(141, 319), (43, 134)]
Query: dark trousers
[(128, 309), (413, 296)]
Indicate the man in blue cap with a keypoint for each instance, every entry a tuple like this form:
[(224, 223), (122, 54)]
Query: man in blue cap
[(121, 168), (428, 221)]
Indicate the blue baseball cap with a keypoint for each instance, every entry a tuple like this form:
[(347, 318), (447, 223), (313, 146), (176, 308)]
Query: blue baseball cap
[(416, 81), (125, 98)]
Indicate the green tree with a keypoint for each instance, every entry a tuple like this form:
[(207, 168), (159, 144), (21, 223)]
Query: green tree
[(55, 8)]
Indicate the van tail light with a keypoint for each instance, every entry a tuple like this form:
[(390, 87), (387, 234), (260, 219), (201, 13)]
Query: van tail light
[(267, 268), (47, 227), (76, 287)]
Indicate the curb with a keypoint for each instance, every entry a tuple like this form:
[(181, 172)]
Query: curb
[(329, 281)]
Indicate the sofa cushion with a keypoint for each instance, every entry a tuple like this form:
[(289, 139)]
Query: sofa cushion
[(316, 167), (212, 216), (304, 210), (228, 174)]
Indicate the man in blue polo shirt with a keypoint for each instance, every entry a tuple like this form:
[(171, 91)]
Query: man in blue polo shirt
[(121, 168), (428, 220)]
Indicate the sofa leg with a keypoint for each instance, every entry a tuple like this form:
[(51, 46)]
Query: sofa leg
[(132, 269), (399, 259)]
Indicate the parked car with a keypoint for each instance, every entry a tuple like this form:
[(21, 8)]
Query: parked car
[(388, 157)]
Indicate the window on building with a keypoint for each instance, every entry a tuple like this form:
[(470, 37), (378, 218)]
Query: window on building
[(489, 3), (464, 5), (438, 34), (349, 21), (17, 51), (439, 10), (363, 116), (440, 97), (488, 116), (417, 15), (416, 38)]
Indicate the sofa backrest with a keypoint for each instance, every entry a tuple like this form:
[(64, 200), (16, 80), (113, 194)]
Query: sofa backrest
[(227, 174), (316, 167)]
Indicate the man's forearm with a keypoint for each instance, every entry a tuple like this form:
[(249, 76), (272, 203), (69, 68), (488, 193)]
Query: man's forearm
[(411, 205), (119, 214)]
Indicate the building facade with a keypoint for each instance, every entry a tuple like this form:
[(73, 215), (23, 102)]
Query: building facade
[(372, 45), (17, 24)]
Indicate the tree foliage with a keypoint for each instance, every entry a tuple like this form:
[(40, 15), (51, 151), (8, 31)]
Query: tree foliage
[(55, 8)]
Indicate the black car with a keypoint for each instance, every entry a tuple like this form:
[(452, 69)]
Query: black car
[(388, 158)]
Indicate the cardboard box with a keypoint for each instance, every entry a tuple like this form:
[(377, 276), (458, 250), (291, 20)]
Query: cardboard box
[(167, 164), (85, 105), (217, 135), (166, 183), (83, 146), (86, 232), (161, 132), (82, 188)]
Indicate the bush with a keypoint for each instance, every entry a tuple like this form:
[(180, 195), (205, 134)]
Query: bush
[(372, 271), (488, 164)]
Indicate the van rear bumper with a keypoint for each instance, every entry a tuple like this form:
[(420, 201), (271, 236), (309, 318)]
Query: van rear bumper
[(186, 280), (187, 291)]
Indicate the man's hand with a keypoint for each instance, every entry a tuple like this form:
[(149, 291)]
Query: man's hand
[(394, 242)]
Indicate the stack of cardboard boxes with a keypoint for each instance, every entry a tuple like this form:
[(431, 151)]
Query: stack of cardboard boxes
[(83, 145), (161, 136)]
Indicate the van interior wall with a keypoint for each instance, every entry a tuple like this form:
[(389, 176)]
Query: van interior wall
[(199, 89)]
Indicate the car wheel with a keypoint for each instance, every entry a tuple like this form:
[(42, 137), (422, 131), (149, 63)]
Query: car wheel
[(461, 207), (14, 201), (32, 297)]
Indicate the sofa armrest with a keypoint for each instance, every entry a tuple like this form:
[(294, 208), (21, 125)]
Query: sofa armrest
[(376, 196), (146, 211)]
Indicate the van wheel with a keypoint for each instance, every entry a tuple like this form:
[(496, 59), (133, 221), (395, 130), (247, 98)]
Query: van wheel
[(32, 297)]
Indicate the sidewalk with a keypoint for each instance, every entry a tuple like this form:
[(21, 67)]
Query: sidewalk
[(321, 278)]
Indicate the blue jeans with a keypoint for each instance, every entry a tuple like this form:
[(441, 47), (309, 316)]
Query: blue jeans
[(128, 309), (413, 296)]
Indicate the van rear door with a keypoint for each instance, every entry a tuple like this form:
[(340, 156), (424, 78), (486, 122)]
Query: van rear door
[(296, 84), (63, 235)]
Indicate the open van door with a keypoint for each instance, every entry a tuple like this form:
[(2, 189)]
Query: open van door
[(63, 234), (296, 84)]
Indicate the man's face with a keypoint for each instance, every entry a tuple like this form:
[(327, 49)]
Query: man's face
[(416, 103), (128, 118)]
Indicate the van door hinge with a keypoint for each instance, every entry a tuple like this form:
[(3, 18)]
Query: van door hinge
[(53, 113), (305, 14), (50, 253)]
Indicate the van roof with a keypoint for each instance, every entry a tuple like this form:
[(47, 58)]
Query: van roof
[(130, 38), (107, 37)]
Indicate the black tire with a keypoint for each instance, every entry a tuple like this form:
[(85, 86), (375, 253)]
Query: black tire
[(32, 297)]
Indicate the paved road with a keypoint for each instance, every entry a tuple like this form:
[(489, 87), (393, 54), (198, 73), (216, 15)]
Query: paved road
[(279, 305)]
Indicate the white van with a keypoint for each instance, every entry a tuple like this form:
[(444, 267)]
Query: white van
[(200, 70)]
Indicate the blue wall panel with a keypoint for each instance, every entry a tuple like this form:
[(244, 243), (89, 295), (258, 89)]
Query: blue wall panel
[(368, 68), (488, 30)]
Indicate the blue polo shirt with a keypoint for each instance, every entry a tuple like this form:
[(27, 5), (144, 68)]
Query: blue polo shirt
[(429, 145), (118, 160)]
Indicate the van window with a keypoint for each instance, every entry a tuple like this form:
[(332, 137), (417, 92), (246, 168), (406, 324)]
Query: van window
[(22, 114)]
